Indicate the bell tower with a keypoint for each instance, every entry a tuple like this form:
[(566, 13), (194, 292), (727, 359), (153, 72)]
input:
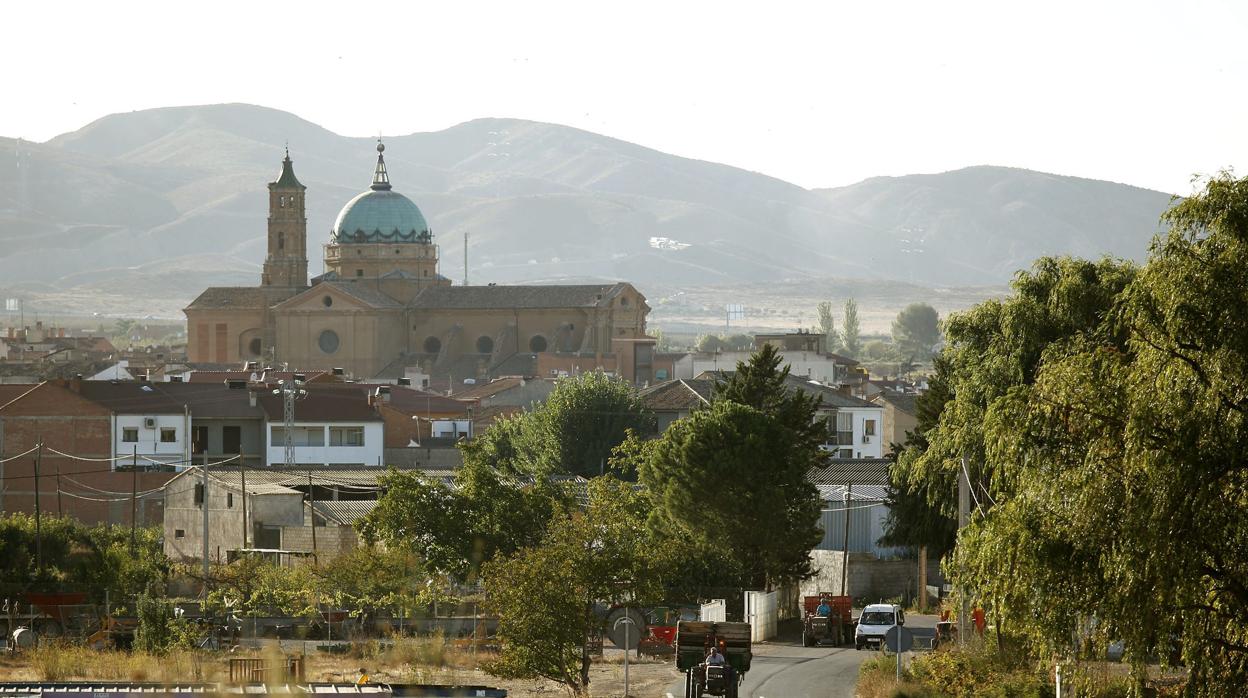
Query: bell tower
[(286, 264)]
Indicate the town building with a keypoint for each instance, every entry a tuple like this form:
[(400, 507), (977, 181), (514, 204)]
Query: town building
[(383, 310), (899, 419)]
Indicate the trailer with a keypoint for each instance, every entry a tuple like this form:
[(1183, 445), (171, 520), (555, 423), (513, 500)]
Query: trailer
[(835, 628), (694, 640)]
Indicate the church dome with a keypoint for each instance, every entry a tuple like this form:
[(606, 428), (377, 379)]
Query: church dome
[(380, 214)]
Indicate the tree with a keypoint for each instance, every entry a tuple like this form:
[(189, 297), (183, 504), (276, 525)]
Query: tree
[(1127, 460), (487, 512), (545, 595), (917, 331), (850, 329), (734, 475), (827, 325), (711, 344), (582, 421)]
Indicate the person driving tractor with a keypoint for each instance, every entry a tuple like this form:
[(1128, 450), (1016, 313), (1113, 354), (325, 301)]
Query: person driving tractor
[(824, 610)]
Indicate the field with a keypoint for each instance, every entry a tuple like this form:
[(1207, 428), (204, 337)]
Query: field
[(408, 660)]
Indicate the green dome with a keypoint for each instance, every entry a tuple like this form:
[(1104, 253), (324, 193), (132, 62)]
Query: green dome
[(379, 214)]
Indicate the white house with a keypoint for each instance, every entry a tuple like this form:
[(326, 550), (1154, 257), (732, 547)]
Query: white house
[(150, 427), (332, 426)]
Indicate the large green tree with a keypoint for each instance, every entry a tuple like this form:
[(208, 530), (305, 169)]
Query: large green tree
[(546, 595), (1128, 463), (734, 475), (827, 325), (917, 331)]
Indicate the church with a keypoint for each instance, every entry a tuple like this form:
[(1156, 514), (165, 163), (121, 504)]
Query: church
[(381, 309)]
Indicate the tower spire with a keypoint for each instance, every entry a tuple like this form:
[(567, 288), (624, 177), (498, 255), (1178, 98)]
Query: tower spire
[(381, 180)]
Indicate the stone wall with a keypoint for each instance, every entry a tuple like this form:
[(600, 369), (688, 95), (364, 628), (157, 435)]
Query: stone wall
[(870, 580)]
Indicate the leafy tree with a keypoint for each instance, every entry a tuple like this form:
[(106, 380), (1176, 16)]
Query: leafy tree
[(1126, 460), (545, 595), (850, 329), (582, 420), (711, 343), (486, 513), (877, 350), (827, 325), (917, 330), (734, 475)]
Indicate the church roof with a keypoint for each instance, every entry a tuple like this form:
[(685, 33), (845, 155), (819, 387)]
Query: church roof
[(217, 297), (489, 297), (287, 180)]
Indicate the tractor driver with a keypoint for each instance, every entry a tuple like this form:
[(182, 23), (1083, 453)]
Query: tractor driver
[(714, 658), (824, 610)]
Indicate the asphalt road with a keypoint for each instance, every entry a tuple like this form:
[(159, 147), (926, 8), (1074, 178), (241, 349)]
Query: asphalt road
[(784, 669)]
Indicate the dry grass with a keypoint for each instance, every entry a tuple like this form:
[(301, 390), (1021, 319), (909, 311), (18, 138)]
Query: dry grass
[(65, 662)]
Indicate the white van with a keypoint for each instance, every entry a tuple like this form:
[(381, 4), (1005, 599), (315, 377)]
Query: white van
[(875, 622)]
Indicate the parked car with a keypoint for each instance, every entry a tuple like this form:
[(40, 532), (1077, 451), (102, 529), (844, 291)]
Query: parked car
[(875, 622)]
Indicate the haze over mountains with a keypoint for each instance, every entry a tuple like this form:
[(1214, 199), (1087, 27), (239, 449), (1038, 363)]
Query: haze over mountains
[(160, 203)]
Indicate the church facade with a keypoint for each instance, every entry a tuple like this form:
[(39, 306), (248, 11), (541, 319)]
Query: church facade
[(382, 310)]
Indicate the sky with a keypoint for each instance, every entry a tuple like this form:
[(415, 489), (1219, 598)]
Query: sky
[(820, 94)]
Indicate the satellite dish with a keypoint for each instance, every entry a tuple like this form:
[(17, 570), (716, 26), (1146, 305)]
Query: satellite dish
[(616, 629)]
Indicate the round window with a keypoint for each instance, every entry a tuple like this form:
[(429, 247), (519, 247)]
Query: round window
[(485, 345), (254, 346), (537, 344), (328, 341), (327, 301), (433, 345)]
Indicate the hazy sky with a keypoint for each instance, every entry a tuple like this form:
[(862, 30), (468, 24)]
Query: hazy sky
[(820, 94)]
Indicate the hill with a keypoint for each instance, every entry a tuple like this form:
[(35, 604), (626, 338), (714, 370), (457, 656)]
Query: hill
[(129, 204)]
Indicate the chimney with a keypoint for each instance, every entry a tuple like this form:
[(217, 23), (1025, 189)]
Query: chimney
[(383, 393), (405, 381)]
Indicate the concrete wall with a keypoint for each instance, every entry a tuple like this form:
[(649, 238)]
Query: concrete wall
[(870, 580), (811, 365), (425, 458), (149, 443), (183, 518), (251, 431)]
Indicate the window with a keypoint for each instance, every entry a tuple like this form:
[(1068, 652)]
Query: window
[(327, 342), (844, 426), (359, 272), (485, 345), (179, 533), (229, 500), (845, 453), (537, 344), (168, 435), (281, 241), (868, 427), (433, 345), (346, 436), (254, 346), (299, 436), (327, 301), (130, 435), (199, 494)]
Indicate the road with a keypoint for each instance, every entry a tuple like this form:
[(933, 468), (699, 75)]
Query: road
[(784, 669)]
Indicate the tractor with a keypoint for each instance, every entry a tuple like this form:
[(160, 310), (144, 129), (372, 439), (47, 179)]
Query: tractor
[(694, 640)]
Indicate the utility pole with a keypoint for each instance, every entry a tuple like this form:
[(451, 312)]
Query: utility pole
[(312, 514), (242, 472), (465, 258), (38, 517), (134, 500), (59, 510), (964, 518), (849, 487), (204, 503)]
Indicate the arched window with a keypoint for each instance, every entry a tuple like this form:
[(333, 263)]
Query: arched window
[(328, 341), (254, 346), (433, 345), (485, 345), (281, 241), (537, 344)]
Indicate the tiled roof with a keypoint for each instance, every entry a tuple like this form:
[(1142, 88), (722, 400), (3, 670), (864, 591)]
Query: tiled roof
[(204, 400), (324, 403), (855, 471), (685, 394), (902, 401), (831, 397), (494, 387), (344, 512), (489, 297), (231, 297)]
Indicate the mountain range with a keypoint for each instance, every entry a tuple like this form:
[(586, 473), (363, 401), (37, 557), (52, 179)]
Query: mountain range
[(157, 204)]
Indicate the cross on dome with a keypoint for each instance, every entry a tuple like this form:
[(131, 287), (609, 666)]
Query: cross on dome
[(381, 180)]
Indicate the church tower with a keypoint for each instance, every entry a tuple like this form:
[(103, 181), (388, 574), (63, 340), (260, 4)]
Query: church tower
[(286, 264)]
